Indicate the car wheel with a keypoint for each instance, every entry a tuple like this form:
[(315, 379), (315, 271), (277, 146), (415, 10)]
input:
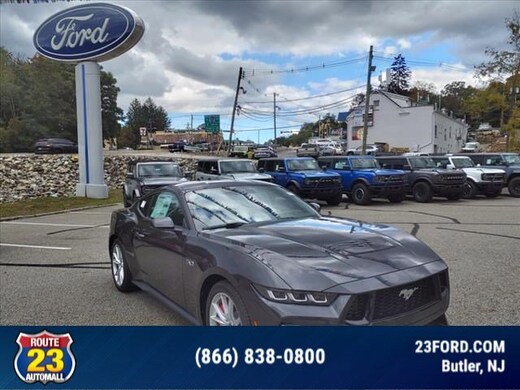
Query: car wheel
[(224, 307), (396, 198), (514, 187), (293, 189), (120, 271), (350, 153), (470, 190), (422, 192), (335, 200), (361, 194)]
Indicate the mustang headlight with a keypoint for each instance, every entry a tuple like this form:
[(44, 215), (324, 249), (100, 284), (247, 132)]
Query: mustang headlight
[(296, 297)]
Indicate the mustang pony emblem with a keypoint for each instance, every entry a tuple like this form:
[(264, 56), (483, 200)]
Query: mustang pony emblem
[(407, 293)]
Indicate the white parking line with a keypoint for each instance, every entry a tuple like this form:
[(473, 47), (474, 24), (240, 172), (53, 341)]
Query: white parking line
[(51, 224), (36, 246)]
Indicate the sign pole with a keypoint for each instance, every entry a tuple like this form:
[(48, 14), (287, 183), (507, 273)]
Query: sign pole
[(90, 139)]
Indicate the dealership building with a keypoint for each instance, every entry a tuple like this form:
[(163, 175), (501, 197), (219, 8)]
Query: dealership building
[(395, 120)]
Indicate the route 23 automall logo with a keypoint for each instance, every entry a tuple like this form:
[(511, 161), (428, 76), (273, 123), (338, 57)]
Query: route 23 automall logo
[(44, 357)]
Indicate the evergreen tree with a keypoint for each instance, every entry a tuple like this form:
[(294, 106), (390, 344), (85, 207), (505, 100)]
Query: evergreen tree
[(400, 76)]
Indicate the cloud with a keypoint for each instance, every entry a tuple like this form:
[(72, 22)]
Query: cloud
[(189, 56)]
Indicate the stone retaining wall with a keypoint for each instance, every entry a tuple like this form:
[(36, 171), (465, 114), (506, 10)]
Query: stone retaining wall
[(35, 176)]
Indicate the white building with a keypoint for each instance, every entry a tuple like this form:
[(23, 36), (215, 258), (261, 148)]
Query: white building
[(395, 120)]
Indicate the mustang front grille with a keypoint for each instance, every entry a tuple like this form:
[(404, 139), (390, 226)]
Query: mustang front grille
[(393, 301)]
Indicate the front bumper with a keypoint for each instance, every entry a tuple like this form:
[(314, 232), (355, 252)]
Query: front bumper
[(266, 312)]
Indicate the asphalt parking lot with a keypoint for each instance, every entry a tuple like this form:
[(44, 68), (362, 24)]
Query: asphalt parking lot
[(54, 270)]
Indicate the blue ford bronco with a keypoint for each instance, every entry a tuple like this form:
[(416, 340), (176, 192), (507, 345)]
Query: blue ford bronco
[(304, 177), (363, 179)]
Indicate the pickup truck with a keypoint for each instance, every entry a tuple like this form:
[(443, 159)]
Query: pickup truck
[(304, 177), (362, 178)]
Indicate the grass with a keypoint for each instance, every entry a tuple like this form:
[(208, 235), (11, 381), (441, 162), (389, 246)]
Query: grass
[(47, 205)]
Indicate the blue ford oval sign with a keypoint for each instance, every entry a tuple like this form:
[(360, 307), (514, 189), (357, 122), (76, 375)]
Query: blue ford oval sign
[(90, 32)]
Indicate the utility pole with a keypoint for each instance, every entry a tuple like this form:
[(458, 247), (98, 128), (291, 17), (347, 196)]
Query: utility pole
[(367, 99), (191, 127), (274, 116), (234, 109)]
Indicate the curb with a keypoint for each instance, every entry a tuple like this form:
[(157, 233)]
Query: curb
[(57, 212)]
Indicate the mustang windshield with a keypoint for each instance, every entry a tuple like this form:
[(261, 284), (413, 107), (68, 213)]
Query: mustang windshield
[(237, 205), (237, 166), (303, 165)]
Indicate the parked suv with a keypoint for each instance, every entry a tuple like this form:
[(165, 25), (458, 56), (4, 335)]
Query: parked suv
[(509, 162), (220, 169), (145, 176), (486, 181), (362, 179), (425, 180), (303, 176), (55, 145)]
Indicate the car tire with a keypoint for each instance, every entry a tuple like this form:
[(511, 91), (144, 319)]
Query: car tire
[(335, 200), (293, 189), (120, 271), (422, 192), (470, 190), (514, 187), (361, 194), (224, 307), (396, 198)]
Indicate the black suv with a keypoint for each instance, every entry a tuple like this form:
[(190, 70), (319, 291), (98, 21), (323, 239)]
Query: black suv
[(55, 145), (509, 162), (145, 176), (425, 180)]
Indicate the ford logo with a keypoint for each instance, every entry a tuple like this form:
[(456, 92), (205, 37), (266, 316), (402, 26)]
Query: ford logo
[(90, 32)]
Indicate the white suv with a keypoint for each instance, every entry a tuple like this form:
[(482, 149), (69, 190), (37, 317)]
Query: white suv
[(486, 181), (470, 147)]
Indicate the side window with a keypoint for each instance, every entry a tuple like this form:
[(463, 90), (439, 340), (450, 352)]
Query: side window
[(200, 166), (166, 205)]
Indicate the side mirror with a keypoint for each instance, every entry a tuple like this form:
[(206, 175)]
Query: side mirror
[(213, 170), (163, 223), (478, 165), (261, 170), (281, 169), (450, 166), (324, 167), (407, 167), (130, 175), (315, 206)]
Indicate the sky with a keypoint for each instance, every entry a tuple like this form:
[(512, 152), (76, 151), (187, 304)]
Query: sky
[(311, 56)]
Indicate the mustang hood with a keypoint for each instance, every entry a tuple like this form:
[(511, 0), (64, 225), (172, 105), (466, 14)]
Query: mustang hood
[(320, 253)]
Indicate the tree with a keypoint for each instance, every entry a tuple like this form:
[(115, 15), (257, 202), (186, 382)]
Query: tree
[(149, 115), (504, 67), (111, 114), (400, 76)]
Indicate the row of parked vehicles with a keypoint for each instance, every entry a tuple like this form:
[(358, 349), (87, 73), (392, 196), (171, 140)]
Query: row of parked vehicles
[(361, 178)]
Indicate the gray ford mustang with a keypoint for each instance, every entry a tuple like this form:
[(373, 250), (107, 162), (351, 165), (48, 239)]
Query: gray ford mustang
[(252, 253)]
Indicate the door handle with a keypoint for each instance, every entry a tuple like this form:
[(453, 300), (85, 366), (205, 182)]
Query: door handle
[(140, 235)]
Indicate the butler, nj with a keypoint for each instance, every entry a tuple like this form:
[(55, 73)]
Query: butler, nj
[(86, 35)]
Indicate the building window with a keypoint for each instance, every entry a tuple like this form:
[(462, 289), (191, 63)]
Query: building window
[(445, 134), (376, 103), (435, 131)]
